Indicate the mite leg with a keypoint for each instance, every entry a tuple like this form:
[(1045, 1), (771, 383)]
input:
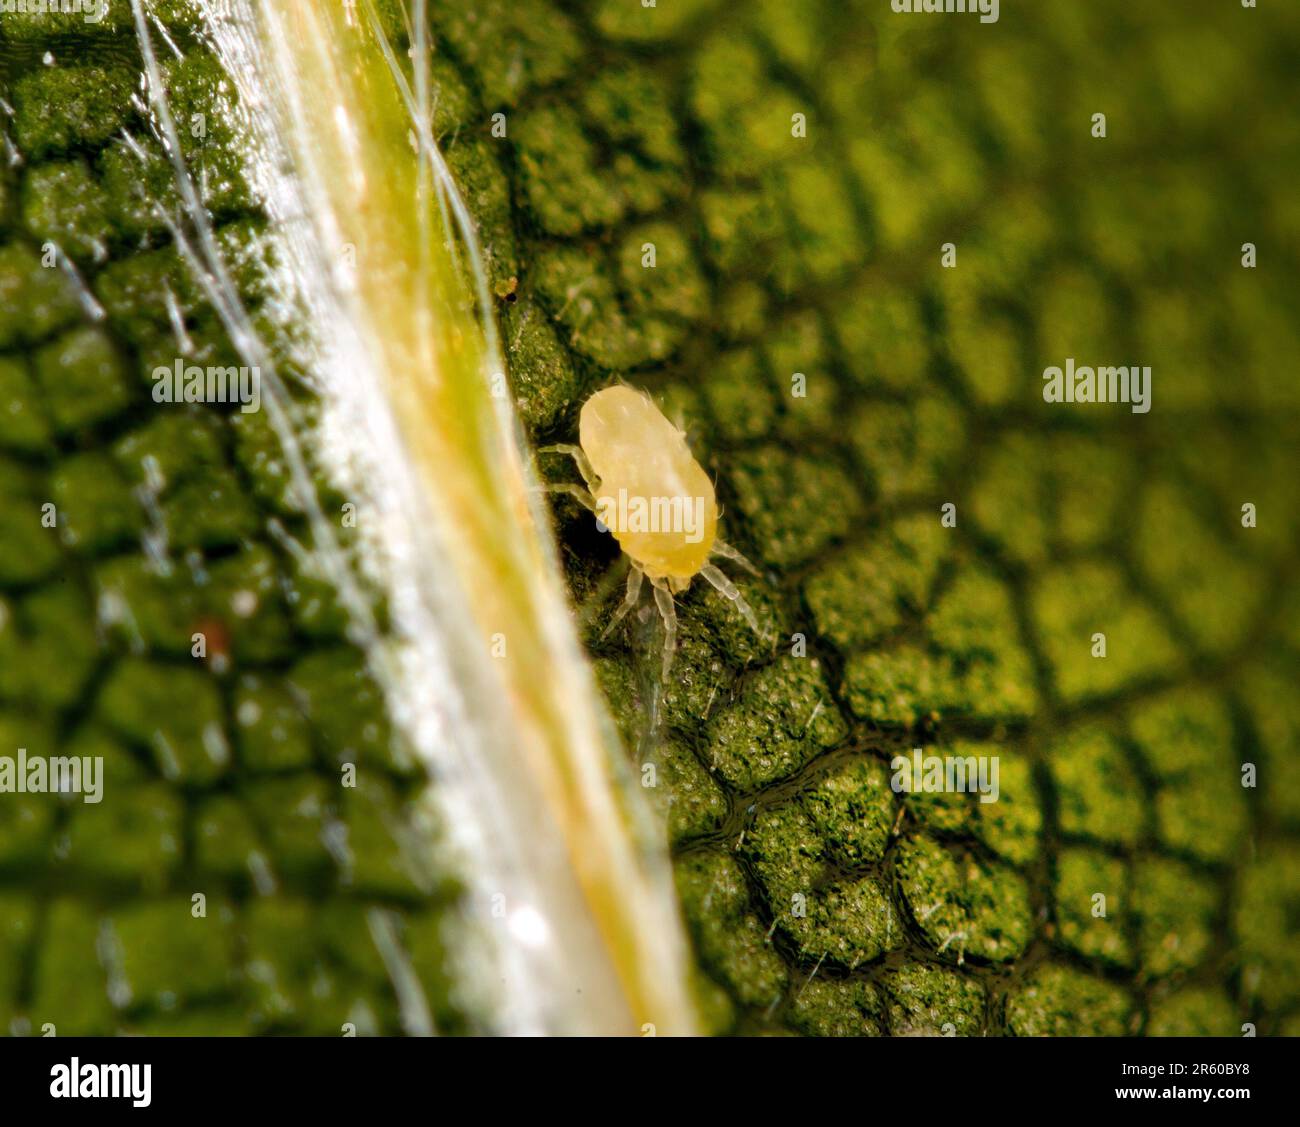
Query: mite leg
[(727, 552), (595, 603), (629, 602), (580, 460), (582, 496), (664, 601), (729, 590)]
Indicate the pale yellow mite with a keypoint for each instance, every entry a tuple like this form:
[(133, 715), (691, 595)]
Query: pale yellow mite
[(649, 492)]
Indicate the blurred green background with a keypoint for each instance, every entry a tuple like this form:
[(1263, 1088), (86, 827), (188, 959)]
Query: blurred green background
[(775, 255)]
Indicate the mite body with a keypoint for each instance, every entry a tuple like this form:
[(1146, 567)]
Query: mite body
[(649, 492)]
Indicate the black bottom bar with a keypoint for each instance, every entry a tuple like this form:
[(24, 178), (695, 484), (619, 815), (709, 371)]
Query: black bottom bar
[(341, 1075)]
